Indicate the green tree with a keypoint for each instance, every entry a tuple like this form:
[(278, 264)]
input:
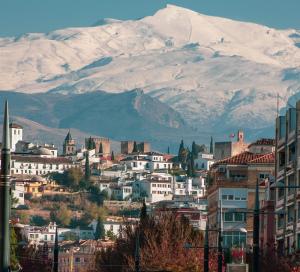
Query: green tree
[(90, 144), (112, 157), (100, 231), (13, 248), (135, 147), (168, 150), (211, 147), (62, 216), (38, 220), (182, 155), (101, 149), (111, 235), (180, 150), (143, 212), (70, 236), (194, 150), (87, 170), (190, 165), (70, 178)]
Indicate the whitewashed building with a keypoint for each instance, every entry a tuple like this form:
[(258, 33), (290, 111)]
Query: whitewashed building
[(153, 190), (204, 161), (16, 134), (38, 165), (18, 191)]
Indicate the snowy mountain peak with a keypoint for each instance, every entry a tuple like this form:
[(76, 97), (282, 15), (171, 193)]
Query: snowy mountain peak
[(179, 56)]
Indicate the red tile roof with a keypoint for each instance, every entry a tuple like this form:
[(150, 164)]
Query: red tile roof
[(44, 160), (264, 141), (247, 157), (266, 158)]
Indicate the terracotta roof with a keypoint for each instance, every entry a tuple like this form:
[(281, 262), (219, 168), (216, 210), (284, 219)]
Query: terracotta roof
[(14, 125), (247, 157), (266, 158), (36, 159), (264, 141)]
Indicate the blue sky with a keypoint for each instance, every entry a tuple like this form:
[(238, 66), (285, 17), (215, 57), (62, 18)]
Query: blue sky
[(21, 16)]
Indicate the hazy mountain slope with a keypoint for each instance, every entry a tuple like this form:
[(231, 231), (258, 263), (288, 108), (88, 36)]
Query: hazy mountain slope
[(38, 133), (219, 74), (125, 116)]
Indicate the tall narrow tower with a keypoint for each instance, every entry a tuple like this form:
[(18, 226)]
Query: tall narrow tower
[(5, 196)]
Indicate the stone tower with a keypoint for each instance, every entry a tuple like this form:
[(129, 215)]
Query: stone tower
[(69, 146)]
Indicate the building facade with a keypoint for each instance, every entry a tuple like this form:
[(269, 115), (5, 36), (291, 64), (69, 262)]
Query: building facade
[(288, 173), (16, 135), (228, 149), (231, 194), (127, 147)]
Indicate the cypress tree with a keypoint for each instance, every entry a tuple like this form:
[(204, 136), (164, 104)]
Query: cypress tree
[(168, 151), (180, 151), (190, 165), (87, 169), (143, 213), (100, 231), (135, 148), (112, 157), (101, 149), (211, 147), (13, 248), (194, 150), (90, 143)]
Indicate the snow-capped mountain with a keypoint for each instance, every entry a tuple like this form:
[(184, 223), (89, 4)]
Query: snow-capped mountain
[(219, 74)]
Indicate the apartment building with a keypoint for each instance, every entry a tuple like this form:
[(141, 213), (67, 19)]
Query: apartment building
[(287, 173), (231, 194)]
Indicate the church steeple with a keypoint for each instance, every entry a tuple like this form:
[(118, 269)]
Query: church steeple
[(68, 137), (69, 146)]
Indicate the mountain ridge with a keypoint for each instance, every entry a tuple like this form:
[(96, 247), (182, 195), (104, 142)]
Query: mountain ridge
[(181, 57)]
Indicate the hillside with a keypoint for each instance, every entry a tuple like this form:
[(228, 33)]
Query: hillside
[(126, 116)]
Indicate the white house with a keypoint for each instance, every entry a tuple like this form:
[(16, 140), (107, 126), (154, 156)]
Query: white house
[(120, 192), (37, 235), (18, 191), (115, 225), (153, 190), (136, 163), (40, 235), (16, 134), (204, 161), (38, 165)]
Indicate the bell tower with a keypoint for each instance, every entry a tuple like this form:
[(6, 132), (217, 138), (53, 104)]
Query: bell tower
[(69, 146)]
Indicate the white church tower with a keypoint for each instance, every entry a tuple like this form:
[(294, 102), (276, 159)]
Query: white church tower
[(16, 135)]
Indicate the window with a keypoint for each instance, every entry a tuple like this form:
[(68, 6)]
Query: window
[(280, 221), (230, 197), (291, 182), (224, 197), (239, 217), (290, 213), (263, 175), (228, 217), (234, 238), (20, 194)]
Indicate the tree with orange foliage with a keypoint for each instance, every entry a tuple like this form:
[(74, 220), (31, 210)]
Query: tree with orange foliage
[(162, 247)]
